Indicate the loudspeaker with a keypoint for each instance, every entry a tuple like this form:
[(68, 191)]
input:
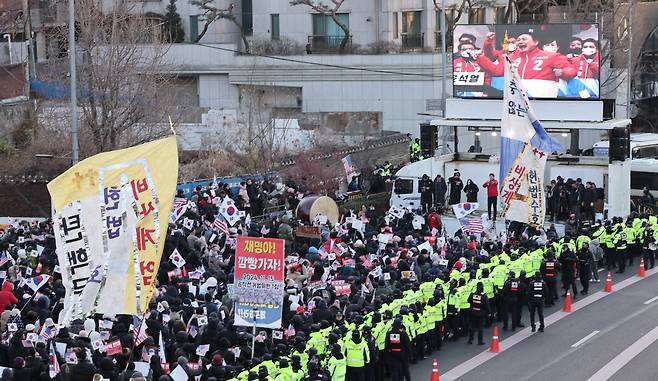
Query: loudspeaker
[(429, 139), (608, 108), (620, 144)]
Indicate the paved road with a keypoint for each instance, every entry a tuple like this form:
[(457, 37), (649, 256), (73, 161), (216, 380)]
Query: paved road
[(608, 336)]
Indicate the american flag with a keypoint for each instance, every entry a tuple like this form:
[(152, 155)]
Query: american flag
[(220, 225), (139, 330), (472, 225), (48, 333), (347, 164)]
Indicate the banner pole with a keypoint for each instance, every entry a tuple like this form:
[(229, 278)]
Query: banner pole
[(253, 335)]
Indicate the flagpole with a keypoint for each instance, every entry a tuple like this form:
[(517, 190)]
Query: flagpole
[(29, 300), (253, 335)]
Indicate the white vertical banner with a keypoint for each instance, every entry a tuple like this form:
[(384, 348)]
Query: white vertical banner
[(522, 194)]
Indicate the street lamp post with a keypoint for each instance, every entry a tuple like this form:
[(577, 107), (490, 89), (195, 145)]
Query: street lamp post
[(74, 94)]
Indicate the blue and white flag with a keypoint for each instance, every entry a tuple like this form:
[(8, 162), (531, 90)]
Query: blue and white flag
[(347, 164), (524, 147), (519, 124)]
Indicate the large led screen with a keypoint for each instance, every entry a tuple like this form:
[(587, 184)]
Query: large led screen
[(553, 60)]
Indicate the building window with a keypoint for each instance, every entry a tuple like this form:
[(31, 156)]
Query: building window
[(275, 26), (476, 16), (500, 15), (247, 17), (396, 30), (194, 27), (326, 33), (450, 25), (411, 34)]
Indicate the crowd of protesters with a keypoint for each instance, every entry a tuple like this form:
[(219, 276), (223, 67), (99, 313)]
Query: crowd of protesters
[(412, 288)]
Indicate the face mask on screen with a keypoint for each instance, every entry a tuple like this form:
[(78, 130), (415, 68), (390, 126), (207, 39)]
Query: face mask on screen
[(589, 51), (511, 47), (550, 48)]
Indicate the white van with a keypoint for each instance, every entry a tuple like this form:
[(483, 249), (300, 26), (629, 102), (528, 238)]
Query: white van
[(643, 145), (644, 173), (406, 187)]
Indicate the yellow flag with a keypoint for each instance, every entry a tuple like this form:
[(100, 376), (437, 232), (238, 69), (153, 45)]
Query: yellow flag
[(111, 213)]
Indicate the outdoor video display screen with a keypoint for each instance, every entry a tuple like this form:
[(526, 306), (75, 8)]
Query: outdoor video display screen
[(553, 60)]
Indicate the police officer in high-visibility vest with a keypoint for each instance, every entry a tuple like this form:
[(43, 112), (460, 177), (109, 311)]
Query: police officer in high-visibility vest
[(490, 291), (479, 310), (453, 311), (537, 290), (648, 246), (285, 371), (620, 248), (386, 170), (337, 364), (414, 151), (631, 239), (358, 355), (549, 270), (511, 294), (314, 373), (398, 349)]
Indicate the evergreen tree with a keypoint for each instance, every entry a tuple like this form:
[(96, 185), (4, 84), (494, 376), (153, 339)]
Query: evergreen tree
[(173, 27)]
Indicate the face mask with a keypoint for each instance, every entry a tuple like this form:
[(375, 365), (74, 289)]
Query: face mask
[(589, 51), (575, 51), (550, 48), (511, 47), (467, 55)]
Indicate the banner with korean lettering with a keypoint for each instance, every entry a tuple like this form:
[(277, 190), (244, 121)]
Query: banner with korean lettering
[(522, 195), (259, 281), (111, 213)]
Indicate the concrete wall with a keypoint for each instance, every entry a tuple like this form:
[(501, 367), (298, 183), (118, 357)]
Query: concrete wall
[(12, 116), (395, 85)]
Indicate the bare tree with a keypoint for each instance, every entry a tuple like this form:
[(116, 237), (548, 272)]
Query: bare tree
[(212, 13), (330, 11), (315, 176), (121, 61), (254, 138)]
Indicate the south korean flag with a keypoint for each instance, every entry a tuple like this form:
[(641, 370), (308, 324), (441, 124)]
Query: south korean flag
[(177, 259)]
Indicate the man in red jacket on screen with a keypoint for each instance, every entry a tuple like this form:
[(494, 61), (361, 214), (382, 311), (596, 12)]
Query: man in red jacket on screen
[(539, 70)]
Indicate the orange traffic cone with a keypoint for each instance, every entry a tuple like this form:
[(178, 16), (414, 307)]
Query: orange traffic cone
[(641, 272), (435, 371), (608, 283), (494, 348), (567, 302)]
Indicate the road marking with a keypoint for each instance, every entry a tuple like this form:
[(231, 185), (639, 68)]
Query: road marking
[(568, 353), (584, 339), (509, 342), (651, 300), (625, 357)]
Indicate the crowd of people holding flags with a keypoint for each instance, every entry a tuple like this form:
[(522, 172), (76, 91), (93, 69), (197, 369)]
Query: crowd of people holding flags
[(360, 299), (345, 293)]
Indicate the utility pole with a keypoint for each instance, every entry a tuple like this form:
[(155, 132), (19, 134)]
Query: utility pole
[(629, 57), (74, 87), (32, 63), (444, 57)]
